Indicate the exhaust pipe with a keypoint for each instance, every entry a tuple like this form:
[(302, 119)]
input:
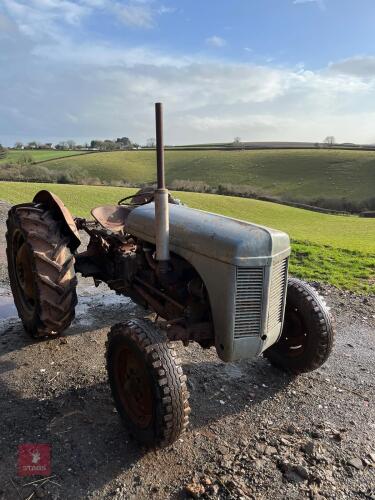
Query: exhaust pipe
[(161, 197)]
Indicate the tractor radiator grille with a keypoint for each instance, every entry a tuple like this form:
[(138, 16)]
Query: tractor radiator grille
[(248, 302), (276, 299)]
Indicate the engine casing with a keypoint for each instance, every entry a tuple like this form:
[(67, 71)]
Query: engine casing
[(244, 267)]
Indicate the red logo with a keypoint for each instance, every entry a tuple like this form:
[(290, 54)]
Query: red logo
[(34, 459)]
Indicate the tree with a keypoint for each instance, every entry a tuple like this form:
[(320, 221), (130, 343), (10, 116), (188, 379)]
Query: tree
[(123, 142), (71, 144), (151, 143), (32, 145), (108, 145), (95, 143), (18, 145), (62, 145), (329, 141), (236, 141)]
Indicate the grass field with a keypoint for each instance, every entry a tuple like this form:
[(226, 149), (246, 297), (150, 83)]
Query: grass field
[(339, 250), (36, 155), (291, 174)]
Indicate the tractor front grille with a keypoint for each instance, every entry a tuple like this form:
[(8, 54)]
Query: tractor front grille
[(276, 298), (248, 301)]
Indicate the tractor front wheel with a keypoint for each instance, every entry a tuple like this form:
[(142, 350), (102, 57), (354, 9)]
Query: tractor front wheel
[(308, 332), (41, 270), (147, 383)]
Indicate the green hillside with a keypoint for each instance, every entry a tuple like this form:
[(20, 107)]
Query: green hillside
[(291, 174), (335, 249), (36, 155)]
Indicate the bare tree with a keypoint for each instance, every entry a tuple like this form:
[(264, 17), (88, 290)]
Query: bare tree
[(329, 141), (151, 143), (236, 141)]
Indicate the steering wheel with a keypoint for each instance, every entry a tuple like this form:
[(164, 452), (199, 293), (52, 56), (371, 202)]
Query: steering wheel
[(138, 194)]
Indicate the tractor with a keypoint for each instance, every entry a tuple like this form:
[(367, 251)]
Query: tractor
[(205, 278)]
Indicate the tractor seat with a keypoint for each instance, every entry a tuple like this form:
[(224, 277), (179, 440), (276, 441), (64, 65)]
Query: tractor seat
[(112, 217)]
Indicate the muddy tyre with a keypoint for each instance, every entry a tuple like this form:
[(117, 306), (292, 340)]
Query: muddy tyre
[(308, 333), (41, 270), (147, 383)]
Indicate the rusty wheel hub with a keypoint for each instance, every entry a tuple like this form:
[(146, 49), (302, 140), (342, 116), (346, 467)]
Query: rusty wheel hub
[(134, 385), (294, 341)]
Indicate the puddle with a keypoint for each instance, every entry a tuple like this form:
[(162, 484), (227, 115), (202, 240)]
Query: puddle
[(93, 304), (7, 308)]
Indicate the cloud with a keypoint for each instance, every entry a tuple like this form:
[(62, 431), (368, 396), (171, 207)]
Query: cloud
[(320, 3), (140, 16), (361, 66), (216, 41), (54, 88), (40, 19), (44, 18), (6, 26), (115, 97)]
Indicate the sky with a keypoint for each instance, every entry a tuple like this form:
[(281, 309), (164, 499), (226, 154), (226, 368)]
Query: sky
[(261, 70)]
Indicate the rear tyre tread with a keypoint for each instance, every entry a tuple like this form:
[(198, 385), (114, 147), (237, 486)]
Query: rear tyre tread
[(52, 269)]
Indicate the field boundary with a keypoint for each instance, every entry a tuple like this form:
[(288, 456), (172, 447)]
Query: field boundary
[(62, 157), (292, 204)]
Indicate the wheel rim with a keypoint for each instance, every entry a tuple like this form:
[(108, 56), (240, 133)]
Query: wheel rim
[(134, 386), (295, 337), (22, 264)]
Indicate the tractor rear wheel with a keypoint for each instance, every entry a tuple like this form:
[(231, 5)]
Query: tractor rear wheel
[(308, 332), (41, 270), (147, 383)]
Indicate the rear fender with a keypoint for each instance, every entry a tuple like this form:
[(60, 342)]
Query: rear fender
[(61, 213)]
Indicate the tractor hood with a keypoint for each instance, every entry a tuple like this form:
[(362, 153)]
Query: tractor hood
[(215, 236)]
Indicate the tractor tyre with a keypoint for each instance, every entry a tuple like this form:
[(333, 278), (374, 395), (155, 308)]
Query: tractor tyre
[(308, 332), (41, 270), (147, 383)]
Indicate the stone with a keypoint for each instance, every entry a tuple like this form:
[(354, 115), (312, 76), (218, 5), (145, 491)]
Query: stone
[(259, 463), (293, 473), (356, 463), (291, 429), (260, 448), (301, 471), (285, 442), (195, 489), (270, 450), (207, 481), (316, 434), (309, 448)]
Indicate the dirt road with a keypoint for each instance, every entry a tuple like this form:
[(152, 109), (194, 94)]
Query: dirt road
[(254, 432)]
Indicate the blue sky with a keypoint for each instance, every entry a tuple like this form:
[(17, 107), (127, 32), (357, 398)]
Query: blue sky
[(258, 69)]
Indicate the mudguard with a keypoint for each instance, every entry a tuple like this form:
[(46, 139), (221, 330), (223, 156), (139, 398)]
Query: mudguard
[(52, 202)]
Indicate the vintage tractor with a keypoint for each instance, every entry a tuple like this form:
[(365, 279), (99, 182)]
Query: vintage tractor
[(210, 279)]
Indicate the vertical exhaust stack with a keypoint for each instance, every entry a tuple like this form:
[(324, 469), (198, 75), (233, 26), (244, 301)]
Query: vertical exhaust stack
[(161, 197)]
